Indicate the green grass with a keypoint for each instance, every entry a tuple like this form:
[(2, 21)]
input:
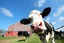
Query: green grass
[(59, 41), (32, 39), (35, 39)]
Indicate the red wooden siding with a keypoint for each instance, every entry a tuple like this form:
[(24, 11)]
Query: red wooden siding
[(11, 33)]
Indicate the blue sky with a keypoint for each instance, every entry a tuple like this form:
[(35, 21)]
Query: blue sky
[(12, 11)]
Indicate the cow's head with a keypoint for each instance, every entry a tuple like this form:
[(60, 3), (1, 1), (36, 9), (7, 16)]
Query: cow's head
[(36, 18)]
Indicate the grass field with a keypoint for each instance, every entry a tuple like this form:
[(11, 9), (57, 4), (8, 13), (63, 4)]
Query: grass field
[(32, 39)]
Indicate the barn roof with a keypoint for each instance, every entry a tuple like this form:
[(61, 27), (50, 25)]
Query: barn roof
[(19, 27)]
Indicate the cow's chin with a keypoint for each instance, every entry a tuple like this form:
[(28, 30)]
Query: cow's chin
[(37, 30)]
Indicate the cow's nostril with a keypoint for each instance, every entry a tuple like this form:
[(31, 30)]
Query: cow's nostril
[(40, 24), (32, 27)]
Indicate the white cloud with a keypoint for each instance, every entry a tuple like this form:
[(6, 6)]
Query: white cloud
[(60, 10), (61, 18), (6, 12), (39, 3), (53, 23)]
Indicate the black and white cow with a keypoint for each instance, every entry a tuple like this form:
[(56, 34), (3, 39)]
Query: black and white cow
[(43, 29)]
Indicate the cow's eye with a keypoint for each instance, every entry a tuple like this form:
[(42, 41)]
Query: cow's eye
[(31, 19)]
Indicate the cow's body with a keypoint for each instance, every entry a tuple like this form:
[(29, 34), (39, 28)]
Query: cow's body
[(43, 29)]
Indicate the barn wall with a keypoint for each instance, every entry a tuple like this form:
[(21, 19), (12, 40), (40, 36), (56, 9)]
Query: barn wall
[(11, 33)]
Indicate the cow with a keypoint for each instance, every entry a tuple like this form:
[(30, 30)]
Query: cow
[(43, 29)]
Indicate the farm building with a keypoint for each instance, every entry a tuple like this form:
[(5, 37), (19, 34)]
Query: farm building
[(17, 29), (59, 32)]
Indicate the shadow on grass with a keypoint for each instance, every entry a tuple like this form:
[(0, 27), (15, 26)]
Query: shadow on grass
[(21, 40)]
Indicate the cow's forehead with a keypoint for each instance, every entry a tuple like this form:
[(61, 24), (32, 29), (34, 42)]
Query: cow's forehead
[(35, 11)]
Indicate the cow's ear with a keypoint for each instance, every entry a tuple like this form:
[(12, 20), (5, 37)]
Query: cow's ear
[(25, 21), (46, 12)]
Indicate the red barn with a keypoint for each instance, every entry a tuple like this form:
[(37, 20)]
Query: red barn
[(16, 29)]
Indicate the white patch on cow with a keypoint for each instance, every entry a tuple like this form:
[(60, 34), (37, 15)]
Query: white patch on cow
[(52, 37), (52, 34), (26, 39), (53, 41), (47, 37), (37, 18), (34, 12)]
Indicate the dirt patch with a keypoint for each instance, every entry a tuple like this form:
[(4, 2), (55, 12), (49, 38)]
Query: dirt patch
[(7, 41), (11, 40)]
